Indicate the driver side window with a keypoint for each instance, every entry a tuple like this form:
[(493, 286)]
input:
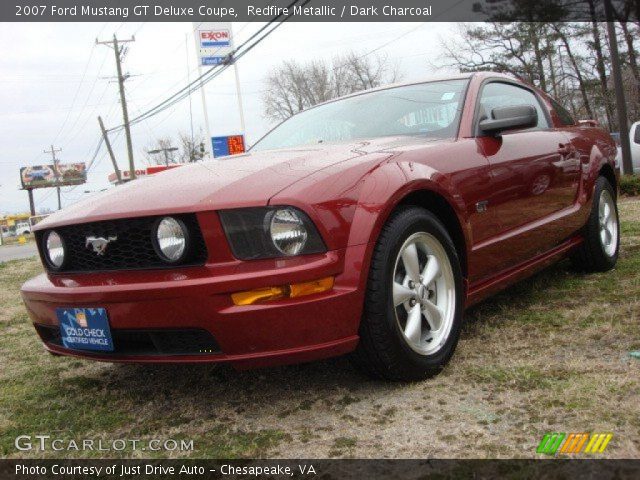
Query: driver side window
[(498, 94)]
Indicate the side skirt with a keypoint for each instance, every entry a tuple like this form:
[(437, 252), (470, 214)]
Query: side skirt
[(487, 287)]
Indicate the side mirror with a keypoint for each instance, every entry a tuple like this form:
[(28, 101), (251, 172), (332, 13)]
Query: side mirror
[(509, 118)]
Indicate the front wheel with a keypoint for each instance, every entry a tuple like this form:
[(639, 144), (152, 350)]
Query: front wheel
[(599, 251), (414, 299)]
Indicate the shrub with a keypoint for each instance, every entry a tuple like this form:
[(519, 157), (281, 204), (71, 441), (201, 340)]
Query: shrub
[(630, 185)]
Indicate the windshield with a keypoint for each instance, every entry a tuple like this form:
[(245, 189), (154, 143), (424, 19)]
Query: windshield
[(431, 110)]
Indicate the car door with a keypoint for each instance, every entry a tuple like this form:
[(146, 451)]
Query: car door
[(534, 177)]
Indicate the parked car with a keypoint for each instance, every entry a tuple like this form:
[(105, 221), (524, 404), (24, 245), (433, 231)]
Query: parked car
[(364, 225)]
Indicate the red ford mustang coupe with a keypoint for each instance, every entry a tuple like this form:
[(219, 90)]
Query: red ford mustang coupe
[(366, 224)]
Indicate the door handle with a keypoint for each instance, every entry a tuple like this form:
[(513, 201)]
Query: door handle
[(564, 149)]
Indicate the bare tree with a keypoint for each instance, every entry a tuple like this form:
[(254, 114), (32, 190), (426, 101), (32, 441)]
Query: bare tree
[(192, 148), (291, 87), (514, 48), (570, 60)]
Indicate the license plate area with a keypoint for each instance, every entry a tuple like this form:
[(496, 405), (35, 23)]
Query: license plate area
[(85, 329)]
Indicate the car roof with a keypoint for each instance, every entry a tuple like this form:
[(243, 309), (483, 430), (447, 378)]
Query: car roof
[(432, 78)]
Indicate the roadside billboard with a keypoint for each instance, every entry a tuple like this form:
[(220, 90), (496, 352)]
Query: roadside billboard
[(214, 42), (61, 174)]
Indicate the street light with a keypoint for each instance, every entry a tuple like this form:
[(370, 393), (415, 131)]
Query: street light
[(165, 151)]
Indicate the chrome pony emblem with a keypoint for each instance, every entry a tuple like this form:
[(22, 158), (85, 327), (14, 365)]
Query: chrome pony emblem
[(99, 244)]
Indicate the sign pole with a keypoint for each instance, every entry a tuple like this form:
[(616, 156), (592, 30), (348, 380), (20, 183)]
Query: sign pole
[(239, 95), (214, 45), (205, 111), (32, 205), (238, 91)]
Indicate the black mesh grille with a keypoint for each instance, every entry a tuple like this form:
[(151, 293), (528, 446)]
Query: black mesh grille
[(147, 342), (132, 250)]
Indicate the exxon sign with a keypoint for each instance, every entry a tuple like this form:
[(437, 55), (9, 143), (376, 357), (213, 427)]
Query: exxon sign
[(215, 38)]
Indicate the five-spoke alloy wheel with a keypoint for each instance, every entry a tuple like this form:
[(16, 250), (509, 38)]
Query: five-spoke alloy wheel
[(608, 220), (423, 293), (414, 300), (599, 250)]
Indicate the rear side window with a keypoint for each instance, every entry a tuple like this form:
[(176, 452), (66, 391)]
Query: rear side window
[(636, 137), (499, 94), (563, 113)]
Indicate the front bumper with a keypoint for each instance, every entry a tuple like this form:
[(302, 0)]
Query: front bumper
[(197, 299)]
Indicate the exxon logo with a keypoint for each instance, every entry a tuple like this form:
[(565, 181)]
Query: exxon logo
[(214, 38)]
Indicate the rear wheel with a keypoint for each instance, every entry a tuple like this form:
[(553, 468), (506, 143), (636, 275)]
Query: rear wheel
[(413, 305), (599, 252)]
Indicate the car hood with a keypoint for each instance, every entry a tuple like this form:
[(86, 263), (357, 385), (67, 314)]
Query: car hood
[(244, 180)]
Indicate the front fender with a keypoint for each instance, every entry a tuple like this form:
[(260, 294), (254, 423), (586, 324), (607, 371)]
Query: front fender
[(384, 190)]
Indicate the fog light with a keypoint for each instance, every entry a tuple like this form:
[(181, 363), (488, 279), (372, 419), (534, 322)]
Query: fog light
[(171, 240), (294, 290), (54, 250)]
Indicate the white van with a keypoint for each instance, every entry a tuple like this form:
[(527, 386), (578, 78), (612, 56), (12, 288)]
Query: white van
[(23, 228), (634, 141)]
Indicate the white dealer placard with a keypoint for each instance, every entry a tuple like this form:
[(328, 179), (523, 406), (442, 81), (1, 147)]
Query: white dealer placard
[(214, 42)]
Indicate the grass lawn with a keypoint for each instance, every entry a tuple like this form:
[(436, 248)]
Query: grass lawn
[(550, 354)]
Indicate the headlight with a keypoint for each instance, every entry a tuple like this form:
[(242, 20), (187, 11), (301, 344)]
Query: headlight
[(54, 250), (171, 239), (270, 232), (288, 232)]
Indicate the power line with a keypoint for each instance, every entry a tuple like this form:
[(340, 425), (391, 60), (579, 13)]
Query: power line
[(196, 84), (187, 77), (77, 132), (212, 73), (87, 99), (75, 97)]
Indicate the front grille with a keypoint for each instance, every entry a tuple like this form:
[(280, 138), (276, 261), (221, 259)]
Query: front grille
[(146, 342), (133, 249)]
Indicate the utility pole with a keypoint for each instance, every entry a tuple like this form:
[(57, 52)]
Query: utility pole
[(110, 150), (53, 152), (621, 106), (115, 44), (165, 151)]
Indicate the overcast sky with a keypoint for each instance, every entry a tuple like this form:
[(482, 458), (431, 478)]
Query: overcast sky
[(54, 83)]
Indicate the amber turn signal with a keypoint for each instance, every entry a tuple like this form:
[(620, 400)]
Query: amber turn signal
[(286, 291)]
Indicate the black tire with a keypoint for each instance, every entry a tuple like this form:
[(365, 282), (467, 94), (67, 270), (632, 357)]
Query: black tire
[(591, 256), (383, 351)]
